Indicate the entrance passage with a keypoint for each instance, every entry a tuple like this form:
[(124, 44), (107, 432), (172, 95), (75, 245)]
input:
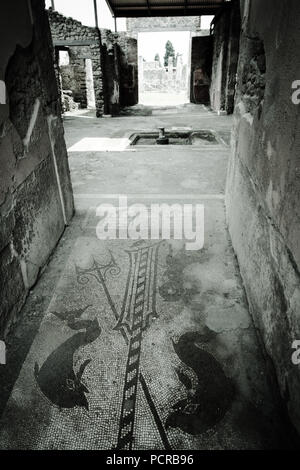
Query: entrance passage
[(163, 313), (164, 67), (143, 344)]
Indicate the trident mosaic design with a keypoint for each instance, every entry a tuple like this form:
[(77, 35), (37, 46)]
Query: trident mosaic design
[(205, 393), (139, 307)]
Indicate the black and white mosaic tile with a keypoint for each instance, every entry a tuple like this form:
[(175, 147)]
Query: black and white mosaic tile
[(123, 361)]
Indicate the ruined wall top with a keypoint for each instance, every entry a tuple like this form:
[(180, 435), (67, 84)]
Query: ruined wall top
[(63, 27), (68, 29)]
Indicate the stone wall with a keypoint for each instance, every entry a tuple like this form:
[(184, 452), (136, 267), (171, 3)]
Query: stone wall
[(263, 189), (73, 76), (226, 34), (171, 23), (35, 190), (82, 42), (114, 63)]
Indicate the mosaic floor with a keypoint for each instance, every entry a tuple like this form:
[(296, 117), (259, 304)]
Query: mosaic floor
[(141, 345), (123, 360)]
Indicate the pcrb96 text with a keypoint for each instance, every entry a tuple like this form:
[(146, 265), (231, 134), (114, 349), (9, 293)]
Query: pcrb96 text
[(172, 459)]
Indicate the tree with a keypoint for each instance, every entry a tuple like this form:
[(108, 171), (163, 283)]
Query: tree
[(170, 52)]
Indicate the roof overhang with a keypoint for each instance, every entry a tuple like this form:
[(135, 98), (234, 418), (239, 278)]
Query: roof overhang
[(138, 8)]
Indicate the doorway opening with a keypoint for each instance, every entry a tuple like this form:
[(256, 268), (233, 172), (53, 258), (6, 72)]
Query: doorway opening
[(164, 67), (75, 79)]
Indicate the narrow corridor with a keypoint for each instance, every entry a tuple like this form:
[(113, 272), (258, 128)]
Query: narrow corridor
[(141, 344)]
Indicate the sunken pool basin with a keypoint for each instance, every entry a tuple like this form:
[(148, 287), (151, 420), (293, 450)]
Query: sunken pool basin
[(199, 137)]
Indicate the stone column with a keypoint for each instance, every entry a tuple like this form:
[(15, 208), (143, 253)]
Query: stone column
[(141, 74)]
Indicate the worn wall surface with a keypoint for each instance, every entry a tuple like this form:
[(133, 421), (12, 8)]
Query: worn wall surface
[(220, 49), (35, 190), (111, 72), (201, 63), (263, 190), (225, 58), (128, 66), (232, 57)]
